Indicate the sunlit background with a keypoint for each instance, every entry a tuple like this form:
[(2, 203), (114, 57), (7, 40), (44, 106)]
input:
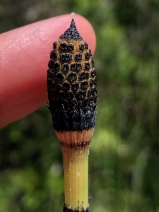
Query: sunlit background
[(124, 153)]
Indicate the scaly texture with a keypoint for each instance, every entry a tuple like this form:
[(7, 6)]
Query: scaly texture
[(71, 83)]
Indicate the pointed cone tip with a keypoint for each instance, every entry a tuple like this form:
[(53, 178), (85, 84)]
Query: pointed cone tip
[(71, 32), (73, 25)]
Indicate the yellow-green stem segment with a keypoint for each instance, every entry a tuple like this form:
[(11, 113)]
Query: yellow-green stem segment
[(75, 148), (76, 176)]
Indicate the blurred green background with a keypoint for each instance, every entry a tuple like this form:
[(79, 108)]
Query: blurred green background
[(124, 153)]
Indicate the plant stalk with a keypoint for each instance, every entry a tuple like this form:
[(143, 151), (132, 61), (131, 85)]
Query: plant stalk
[(76, 177), (75, 149)]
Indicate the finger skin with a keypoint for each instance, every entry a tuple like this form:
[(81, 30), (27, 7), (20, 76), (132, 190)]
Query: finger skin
[(24, 56)]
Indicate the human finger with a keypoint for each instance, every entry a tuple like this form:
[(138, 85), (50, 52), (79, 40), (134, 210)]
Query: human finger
[(24, 56)]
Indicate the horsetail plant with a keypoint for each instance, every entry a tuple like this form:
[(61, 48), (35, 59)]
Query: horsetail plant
[(72, 94)]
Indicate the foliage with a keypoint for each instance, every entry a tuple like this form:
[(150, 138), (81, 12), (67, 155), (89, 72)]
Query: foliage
[(124, 156)]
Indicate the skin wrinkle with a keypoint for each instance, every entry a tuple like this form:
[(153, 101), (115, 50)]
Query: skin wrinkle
[(24, 57)]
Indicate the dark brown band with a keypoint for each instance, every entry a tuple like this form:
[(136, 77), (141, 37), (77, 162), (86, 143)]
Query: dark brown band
[(76, 145), (68, 209)]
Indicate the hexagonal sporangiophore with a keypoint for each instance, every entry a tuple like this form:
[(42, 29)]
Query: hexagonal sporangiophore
[(71, 69)]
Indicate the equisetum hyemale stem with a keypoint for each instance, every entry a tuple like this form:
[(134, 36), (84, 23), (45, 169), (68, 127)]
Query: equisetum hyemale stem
[(72, 94)]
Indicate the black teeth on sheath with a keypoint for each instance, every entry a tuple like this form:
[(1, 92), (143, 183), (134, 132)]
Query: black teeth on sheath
[(68, 209), (72, 83)]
